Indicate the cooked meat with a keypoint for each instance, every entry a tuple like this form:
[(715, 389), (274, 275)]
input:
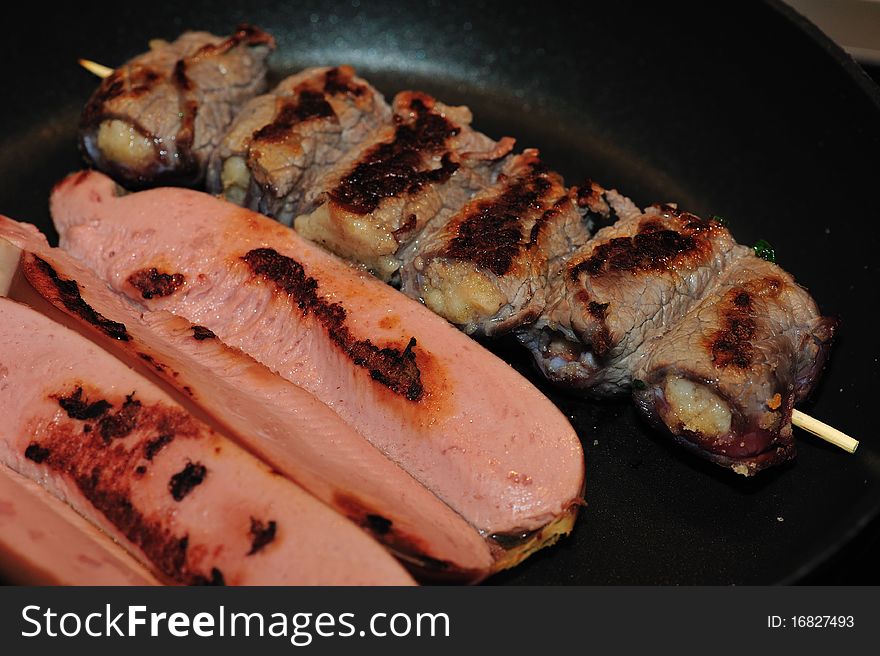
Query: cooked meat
[(156, 119), (625, 288), (180, 497), (428, 163), (486, 268), (460, 421), (43, 541), (283, 424), (724, 379), (282, 143)]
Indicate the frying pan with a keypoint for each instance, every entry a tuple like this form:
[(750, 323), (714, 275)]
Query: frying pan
[(747, 112)]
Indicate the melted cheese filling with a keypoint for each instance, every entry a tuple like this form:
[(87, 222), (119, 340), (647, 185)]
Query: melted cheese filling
[(120, 142), (459, 294), (697, 408)]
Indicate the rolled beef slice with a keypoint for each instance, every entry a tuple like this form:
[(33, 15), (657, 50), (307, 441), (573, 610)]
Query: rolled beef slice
[(156, 119)]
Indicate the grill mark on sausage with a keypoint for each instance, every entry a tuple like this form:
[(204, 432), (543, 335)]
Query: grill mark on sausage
[(378, 524), (153, 362), (152, 447), (262, 534), (186, 480), (200, 333), (491, 234), (77, 407), (396, 167), (394, 368), (44, 278), (121, 423), (106, 476), (36, 453), (154, 283), (216, 578)]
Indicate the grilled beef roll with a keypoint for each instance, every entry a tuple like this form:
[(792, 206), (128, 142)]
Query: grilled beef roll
[(427, 163), (724, 379), (156, 119), (282, 142), (715, 344), (486, 268)]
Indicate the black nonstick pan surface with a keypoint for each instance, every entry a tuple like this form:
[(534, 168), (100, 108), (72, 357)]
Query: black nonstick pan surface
[(741, 110)]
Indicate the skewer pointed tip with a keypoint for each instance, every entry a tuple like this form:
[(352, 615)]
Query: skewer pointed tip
[(824, 431), (95, 68)]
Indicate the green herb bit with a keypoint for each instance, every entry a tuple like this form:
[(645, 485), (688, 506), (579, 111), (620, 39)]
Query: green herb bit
[(639, 385), (719, 219), (765, 251)]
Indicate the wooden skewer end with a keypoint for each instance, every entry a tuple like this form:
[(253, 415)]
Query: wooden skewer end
[(824, 431), (95, 68)]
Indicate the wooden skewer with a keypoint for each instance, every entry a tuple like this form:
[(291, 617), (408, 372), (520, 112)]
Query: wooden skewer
[(95, 68), (824, 431)]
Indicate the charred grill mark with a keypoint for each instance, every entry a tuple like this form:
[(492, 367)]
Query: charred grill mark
[(643, 252), (588, 193), (152, 282), (407, 226), (262, 533), (396, 167), (179, 76), (121, 423), (599, 338), (393, 368), (200, 333), (149, 359), (731, 346), (491, 234), (654, 248), (338, 81), (131, 81), (378, 524), (307, 105), (216, 578), (106, 476), (36, 453), (77, 407), (186, 480), (245, 33), (545, 218), (598, 310), (37, 271), (359, 513), (384, 530), (152, 447)]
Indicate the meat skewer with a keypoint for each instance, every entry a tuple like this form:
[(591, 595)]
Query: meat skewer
[(458, 260), (283, 424), (158, 118)]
